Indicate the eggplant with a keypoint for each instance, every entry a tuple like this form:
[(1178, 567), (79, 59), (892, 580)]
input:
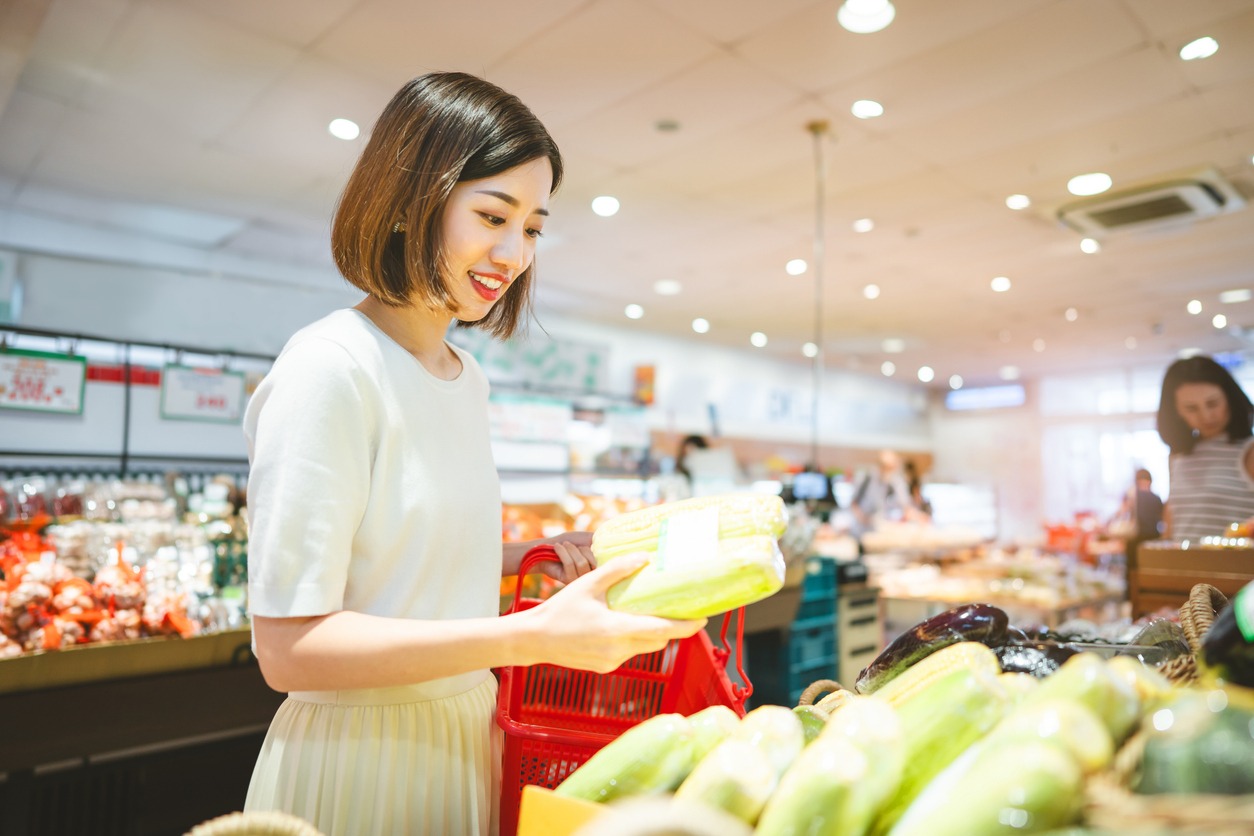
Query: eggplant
[(981, 623), (1228, 646), (1039, 659)]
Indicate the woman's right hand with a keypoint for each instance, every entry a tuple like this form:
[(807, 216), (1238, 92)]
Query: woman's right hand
[(576, 629)]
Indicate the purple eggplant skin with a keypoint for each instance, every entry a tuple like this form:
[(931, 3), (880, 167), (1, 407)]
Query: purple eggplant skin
[(981, 623), (1039, 659)]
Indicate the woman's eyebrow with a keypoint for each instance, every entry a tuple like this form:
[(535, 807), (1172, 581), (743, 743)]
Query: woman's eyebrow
[(509, 198)]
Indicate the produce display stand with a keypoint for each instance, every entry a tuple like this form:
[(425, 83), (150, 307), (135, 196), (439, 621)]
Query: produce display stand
[(1022, 611), (145, 737), (1165, 572)]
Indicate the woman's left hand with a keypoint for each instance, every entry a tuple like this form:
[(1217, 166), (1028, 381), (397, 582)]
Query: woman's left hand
[(575, 550)]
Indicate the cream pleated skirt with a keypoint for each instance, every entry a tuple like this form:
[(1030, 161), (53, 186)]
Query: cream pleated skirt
[(422, 759)]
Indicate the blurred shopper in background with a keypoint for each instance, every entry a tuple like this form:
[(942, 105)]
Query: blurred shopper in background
[(1140, 516), (1205, 418)]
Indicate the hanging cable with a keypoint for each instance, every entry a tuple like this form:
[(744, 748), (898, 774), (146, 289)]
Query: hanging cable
[(819, 130)]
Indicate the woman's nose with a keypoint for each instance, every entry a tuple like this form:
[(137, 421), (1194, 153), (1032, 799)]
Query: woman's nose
[(512, 252)]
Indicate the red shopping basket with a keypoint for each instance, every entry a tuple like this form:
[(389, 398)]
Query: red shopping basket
[(555, 718)]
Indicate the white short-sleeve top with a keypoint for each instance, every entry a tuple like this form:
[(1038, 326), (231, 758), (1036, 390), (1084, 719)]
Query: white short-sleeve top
[(372, 486)]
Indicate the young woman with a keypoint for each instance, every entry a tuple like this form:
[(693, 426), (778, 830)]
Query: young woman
[(1206, 418), (375, 555)]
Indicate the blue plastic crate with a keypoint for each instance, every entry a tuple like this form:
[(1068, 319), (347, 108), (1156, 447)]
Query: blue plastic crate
[(812, 642), (818, 590)]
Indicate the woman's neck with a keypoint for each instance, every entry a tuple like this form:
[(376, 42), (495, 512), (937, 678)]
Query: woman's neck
[(417, 330)]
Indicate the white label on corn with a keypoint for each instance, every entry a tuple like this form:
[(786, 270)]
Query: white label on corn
[(687, 538)]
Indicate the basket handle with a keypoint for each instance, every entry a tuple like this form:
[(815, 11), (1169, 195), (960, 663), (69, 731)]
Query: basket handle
[(530, 563), (741, 693)]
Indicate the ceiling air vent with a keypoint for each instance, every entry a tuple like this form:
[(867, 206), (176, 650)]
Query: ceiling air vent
[(1174, 201)]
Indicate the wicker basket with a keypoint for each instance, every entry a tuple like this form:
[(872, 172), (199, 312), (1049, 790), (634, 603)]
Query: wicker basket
[(255, 824), (1108, 802)]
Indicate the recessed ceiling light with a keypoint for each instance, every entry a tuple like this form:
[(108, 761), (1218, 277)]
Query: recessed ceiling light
[(926, 374), (758, 339), (863, 225), (1219, 321), (667, 287), (1018, 201), (1201, 48), (1088, 184), (893, 345), (871, 291), (700, 325), (1194, 307), (888, 368), (1090, 245), (1008, 373), (955, 381), (796, 266), (605, 206), (1230, 297), (1000, 284), (345, 129), (867, 109), (1038, 345), (1130, 343), (810, 350), (633, 311), (865, 16), (1072, 314)]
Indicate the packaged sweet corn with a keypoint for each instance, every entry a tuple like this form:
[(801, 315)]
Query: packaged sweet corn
[(706, 555)]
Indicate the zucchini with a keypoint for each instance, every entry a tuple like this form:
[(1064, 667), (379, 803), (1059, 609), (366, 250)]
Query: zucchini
[(651, 757)]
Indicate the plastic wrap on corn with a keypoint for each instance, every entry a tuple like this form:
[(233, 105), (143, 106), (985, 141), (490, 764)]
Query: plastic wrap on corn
[(706, 555)]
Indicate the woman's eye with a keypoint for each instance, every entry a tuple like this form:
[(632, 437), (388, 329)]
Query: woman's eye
[(535, 233), (495, 220)]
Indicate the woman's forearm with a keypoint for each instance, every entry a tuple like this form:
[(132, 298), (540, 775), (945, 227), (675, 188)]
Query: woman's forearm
[(350, 650)]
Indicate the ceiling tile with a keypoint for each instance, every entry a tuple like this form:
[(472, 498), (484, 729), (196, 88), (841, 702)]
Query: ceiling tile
[(603, 76), (295, 22)]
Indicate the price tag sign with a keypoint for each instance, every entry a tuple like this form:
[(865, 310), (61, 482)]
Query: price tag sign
[(193, 394), (39, 382)]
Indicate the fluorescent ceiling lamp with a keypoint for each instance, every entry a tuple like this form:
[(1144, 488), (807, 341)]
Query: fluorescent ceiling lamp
[(1089, 184), (1219, 321), (1194, 307), (863, 225), (871, 291), (667, 287), (863, 17), (1201, 48), (1000, 284), (810, 350), (1230, 297), (1072, 314), (345, 129), (866, 109), (955, 381), (605, 206)]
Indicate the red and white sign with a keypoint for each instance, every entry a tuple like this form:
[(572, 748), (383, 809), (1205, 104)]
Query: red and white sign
[(193, 394), (40, 382)]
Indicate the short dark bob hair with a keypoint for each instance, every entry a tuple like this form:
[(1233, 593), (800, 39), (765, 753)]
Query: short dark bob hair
[(440, 129), (1173, 429)]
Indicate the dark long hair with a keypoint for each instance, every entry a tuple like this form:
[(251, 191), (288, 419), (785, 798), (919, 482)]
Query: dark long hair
[(439, 130), (1173, 429)]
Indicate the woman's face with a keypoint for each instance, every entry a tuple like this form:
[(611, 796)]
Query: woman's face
[(490, 228), (1204, 408)]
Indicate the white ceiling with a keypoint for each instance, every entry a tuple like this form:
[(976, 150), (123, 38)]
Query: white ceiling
[(203, 122)]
